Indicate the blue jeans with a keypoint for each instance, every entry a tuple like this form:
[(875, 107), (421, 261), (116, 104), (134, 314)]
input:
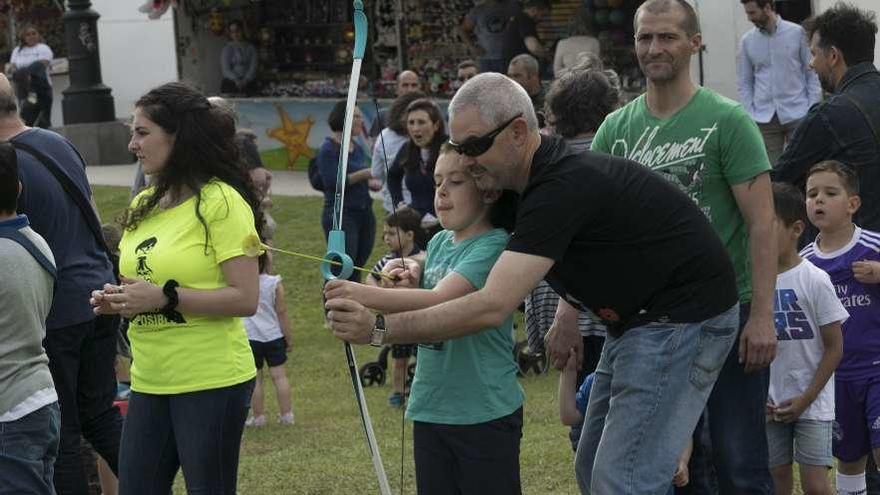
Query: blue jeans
[(738, 452), (197, 431), (651, 386), (28, 447)]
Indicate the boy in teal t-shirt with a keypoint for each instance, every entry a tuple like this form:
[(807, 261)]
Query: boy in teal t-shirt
[(466, 402)]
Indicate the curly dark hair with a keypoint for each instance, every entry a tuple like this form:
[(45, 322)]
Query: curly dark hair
[(203, 149), (411, 155), (580, 100), (851, 30)]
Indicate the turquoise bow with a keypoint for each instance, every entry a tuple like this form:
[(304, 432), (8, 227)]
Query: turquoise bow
[(336, 239)]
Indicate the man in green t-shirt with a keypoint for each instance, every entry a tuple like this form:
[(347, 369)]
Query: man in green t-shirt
[(709, 146)]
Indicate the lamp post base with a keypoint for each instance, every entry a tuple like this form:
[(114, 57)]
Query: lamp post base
[(93, 104)]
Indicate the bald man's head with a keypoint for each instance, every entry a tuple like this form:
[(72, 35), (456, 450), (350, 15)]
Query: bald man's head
[(8, 103), (407, 82)]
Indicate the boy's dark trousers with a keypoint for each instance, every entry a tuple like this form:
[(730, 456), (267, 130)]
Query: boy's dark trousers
[(481, 458)]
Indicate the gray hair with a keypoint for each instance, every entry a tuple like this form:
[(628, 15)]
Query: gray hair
[(529, 62), (496, 97)]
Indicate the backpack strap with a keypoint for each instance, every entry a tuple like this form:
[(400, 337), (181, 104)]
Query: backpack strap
[(71, 189), (865, 115), (16, 236)]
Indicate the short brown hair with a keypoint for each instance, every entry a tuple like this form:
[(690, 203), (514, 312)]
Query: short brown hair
[(789, 203), (690, 24), (848, 177), (761, 3)]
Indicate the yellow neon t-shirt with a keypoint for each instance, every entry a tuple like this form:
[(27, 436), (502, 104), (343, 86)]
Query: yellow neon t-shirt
[(204, 352)]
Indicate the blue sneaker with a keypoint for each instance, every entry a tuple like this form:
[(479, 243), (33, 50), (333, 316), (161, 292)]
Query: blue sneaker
[(396, 399), (123, 391)]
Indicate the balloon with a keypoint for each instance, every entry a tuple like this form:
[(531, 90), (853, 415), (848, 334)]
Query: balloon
[(617, 17)]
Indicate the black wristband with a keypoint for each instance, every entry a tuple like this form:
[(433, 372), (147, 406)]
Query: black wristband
[(170, 291)]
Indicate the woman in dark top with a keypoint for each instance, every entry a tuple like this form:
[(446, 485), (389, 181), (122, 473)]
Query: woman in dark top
[(415, 161), (358, 221)]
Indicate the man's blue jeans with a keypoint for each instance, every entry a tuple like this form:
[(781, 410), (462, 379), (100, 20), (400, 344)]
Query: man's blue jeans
[(28, 447), (651, 386), (737, 462)]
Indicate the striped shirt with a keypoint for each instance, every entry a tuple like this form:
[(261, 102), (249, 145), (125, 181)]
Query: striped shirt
[(540, 310)]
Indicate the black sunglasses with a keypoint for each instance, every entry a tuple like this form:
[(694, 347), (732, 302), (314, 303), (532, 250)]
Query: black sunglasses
[(476, 146)]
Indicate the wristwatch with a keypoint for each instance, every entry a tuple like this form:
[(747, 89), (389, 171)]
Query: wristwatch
[(377, 334)]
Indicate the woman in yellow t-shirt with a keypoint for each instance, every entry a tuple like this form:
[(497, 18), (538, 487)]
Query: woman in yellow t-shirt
[(186, 283)]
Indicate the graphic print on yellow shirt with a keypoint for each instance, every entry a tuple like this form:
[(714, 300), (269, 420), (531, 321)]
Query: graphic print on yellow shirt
[(199, 352)]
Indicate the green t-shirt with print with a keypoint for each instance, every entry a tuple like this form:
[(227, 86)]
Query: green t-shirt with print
[(705, 148), (471, 379), (199, 352)]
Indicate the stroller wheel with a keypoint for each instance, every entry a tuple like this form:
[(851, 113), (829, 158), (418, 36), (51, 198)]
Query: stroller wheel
[(542, 362), (527, 360), (372, 374)]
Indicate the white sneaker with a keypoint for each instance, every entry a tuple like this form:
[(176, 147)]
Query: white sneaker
[(256, 422), (286, 419)]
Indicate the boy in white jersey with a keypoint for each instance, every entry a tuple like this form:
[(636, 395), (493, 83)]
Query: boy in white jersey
[(851, 257), (808, 316)]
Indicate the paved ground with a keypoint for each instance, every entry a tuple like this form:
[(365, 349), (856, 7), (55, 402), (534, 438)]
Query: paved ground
[(284, 183)]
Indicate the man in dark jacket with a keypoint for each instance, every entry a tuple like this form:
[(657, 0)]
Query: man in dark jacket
[(846, 126)]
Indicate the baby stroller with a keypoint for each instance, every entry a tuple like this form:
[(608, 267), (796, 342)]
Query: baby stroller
[(528, 360), (375, 372)]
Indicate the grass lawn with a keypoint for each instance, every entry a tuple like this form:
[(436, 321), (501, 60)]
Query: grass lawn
[(325, 451)]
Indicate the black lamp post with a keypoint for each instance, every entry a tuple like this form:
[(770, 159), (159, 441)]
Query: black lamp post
[(87, 99)]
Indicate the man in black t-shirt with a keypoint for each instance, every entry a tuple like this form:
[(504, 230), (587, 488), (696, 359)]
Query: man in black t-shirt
[(610, 236), (521, 33)]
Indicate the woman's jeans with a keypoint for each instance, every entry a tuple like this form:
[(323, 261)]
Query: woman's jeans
[(651, 386), (197, 431), (360, 234)]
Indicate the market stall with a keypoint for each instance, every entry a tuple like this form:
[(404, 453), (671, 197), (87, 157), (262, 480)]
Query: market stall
[(303, 51)]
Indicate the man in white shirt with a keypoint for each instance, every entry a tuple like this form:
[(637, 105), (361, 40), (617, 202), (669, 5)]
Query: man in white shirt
[(775, 82)]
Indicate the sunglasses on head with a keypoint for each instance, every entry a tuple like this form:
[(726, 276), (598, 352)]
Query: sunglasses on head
[(477, 145)]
